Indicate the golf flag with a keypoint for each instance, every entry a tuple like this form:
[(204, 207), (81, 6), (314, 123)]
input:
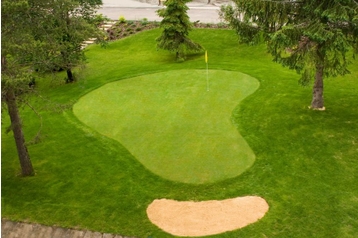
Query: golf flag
[(206, 56)]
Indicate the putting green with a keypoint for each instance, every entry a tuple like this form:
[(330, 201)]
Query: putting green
[(172, 124)]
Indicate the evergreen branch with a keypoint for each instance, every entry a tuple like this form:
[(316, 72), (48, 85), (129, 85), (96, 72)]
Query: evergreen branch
[(36, 139)]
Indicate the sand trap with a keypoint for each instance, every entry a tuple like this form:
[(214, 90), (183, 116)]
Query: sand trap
[(206, 218)]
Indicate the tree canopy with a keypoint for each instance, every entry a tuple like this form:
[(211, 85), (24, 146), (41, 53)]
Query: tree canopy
[(17, 48), (313, 37), (65, 26), (38, 35)]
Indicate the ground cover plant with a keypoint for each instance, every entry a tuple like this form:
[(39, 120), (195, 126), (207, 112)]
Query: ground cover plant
[(306, 161), (124, 28)]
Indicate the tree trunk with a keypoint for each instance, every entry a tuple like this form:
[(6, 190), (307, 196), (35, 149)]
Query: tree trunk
[(25, 162), (317, 99), (70, 78)]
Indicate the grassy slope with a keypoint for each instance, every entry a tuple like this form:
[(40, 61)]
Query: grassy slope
[(306, 161)]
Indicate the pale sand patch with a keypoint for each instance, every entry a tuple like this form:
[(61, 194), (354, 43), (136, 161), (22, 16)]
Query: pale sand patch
[(188, 218)]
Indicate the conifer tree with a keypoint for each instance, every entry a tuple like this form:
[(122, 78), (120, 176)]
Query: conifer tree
[(176, 26), (34, 35), (312, 37), (17, 44)]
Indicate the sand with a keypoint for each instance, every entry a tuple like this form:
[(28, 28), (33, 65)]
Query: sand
[(188, 218)]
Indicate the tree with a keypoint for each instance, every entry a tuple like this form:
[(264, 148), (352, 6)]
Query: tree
[(176, 27), (67, 24), (33, 37), (17, 46), (313, 37)]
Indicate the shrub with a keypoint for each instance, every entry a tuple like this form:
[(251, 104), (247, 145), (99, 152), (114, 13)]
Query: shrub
[(144, 21), (122, 19), (99, 19), (221, 25)]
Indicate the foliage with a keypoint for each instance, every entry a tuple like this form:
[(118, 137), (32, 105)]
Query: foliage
[(121, 29), (144, 21), (99, 19), (122, 19), (176, 27), (39, 35), (312, 37), (67, 25), (17, 50), (17, 45)]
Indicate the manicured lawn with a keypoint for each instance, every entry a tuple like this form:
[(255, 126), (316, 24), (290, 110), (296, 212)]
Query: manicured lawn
[(174, 123), (306, 162)]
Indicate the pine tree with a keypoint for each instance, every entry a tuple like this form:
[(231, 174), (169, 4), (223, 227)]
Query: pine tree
[(312, 37), (35, 35), (176, 26), (17, 46)]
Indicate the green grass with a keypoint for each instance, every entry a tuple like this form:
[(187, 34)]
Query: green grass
[(306, 163), (174, 123)]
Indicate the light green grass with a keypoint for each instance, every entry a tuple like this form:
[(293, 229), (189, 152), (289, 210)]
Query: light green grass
[(175, 123), (306, 164)]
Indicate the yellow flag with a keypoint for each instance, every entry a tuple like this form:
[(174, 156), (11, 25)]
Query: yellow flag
[(206, 56)]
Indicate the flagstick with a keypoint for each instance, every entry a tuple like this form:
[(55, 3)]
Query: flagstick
[(207, 71), (207, 77)]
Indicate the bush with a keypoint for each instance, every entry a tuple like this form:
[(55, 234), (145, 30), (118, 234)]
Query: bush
[(129, 23), (221, 25), (122, 19), (99, 19), (144, 21)]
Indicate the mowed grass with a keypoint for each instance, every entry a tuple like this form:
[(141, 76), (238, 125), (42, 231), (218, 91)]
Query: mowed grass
[(176, 123), (306, 164)]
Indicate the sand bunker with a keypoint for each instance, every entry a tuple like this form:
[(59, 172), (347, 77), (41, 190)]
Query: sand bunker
[(206, 218)]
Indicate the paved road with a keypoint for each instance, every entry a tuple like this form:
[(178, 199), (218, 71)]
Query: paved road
[(135, 10)]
